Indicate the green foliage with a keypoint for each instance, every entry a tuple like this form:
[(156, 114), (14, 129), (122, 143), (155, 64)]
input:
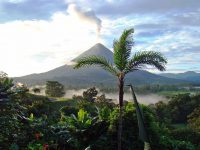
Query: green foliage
[(94, 130), (104, 113), (95, 125), (77, 97), (90, 94), (162, 112), (130, 136), (96, 60), (12, 122), (54, 89), (13, 118), (68, 110), (36, 90), (35, 146), (21, 91), (178, 108), (170, 143), (82, 121), (194, 119), (151, 58), (5, 87), (82, 129), (86, 105), (14, 147), (187, 134), (122, 49), (165, 90), (103, 101), (60, 135)]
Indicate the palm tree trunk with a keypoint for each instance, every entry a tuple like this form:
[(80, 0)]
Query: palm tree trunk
[(121, 91), (121, 94), (120, 130)]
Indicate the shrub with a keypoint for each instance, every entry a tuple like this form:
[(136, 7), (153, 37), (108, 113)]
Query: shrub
[(90, 94), (187, 134), (68, 110), (194, 120)]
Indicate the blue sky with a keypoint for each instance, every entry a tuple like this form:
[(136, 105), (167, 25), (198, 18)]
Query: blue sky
[(39, 35)]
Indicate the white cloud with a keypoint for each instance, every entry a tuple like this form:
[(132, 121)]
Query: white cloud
[(37, 45), (15, 1)]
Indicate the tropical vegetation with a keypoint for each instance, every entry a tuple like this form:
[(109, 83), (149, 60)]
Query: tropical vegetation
[(90, 120)]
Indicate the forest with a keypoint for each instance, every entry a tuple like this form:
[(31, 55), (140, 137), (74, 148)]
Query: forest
[(87, 121)]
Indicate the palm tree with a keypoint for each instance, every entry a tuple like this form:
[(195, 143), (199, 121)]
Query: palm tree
[(124, 63)]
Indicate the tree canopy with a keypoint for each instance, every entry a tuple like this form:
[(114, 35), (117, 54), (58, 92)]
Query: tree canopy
[(54, 89)]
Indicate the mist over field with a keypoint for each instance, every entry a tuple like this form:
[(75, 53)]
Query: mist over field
[(142, 98)]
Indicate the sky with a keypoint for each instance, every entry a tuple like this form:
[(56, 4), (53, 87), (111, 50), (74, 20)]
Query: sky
[(39, 35)]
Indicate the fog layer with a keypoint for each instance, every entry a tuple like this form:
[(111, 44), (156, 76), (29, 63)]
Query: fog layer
[(142, 98)]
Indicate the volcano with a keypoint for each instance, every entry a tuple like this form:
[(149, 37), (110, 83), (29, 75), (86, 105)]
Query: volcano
[(92, 76)]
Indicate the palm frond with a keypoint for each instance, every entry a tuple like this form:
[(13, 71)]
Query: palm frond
[(96, 61), (152, 58), (122, 49)]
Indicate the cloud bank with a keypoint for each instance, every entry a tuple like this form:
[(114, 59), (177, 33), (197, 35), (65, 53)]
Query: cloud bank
[(33, 46)]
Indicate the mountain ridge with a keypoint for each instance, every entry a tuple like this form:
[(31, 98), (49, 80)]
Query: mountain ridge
[(191, 76)]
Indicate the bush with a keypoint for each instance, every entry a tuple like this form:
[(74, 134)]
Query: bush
[(178, 108), (187, 134), (168, 143), (90, 94), (194, 120), (68, 110)]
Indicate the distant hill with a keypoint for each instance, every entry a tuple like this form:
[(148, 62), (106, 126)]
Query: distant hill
[(187, 76), (93, 75)]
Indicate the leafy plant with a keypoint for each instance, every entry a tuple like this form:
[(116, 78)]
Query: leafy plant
[(35, 146), (194, 119), (82, 121), (187, 134), (89, 94), (104, 113), (6, 85), (14, 146)]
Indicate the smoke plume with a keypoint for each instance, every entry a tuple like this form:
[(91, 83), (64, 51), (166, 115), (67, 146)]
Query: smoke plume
[(85, 15)]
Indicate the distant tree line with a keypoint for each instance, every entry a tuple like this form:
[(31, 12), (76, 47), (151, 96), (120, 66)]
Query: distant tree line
[(142, 89), (179, 109)]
